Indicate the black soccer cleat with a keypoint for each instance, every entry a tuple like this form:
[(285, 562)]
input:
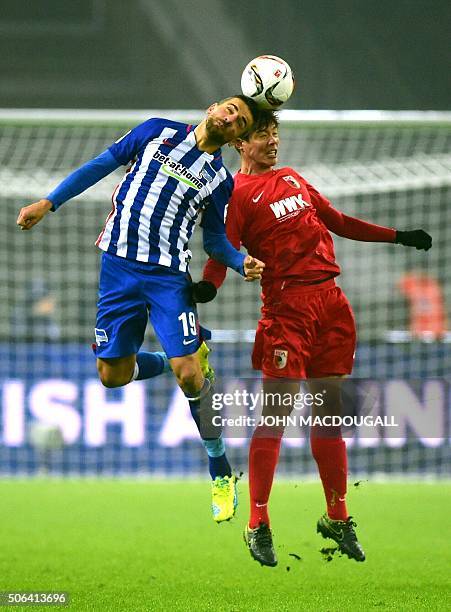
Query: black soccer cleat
[(259, 542), (344, 535)]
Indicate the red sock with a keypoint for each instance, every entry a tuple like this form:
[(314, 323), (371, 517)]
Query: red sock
[(330, 455), (263, 457)]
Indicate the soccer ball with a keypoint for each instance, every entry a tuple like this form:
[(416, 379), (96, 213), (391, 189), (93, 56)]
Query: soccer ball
[(268, 80), (45, 437)]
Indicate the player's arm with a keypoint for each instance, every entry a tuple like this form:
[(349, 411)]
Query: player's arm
[(218, 246), (120, 153), (357, 229), (78, 181), (215, 272)]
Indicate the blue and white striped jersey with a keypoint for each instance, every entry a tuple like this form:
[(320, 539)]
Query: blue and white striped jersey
[(156, 204)]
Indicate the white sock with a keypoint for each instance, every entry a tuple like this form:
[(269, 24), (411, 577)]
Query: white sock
[(135, 372)]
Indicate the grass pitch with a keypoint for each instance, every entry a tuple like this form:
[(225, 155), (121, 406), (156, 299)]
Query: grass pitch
[(144, 545)]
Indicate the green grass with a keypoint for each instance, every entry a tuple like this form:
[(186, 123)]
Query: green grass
[(120, 545)]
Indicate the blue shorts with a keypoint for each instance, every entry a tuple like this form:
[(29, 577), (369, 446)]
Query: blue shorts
[(131, 293)]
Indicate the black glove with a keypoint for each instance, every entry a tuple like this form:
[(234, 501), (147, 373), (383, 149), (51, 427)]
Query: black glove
[(203, 292), (414, 238)]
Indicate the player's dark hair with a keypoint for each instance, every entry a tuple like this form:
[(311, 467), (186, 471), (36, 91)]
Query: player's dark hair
[(266, 118), (260, 116)]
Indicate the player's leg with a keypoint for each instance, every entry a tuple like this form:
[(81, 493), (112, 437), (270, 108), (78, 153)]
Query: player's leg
[(329, 451), (263, 458), (203, 353), (197, 390), (332, 359), (119, 371), (116, 371), (277, 352), (328, 447), (150, 364), (174, 318), (121, 321), (144, 365), (265, 447)]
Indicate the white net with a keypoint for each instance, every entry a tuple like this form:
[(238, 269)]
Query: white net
[(389, 168)]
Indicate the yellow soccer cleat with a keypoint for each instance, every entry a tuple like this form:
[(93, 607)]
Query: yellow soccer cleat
[(224, 498), (206, 368)]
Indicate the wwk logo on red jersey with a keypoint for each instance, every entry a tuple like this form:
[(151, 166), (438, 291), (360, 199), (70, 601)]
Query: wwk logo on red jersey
[(293, 204)]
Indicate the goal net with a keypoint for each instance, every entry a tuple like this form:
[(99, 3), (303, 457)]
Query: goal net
[(388, 168)]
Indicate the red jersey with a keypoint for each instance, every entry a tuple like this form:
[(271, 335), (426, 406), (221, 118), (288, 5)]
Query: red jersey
[(284, 221)]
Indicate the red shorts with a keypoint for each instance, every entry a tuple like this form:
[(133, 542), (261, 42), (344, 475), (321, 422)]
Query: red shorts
[(309, 332)]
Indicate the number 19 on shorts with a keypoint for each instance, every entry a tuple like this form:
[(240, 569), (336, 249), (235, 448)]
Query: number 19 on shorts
[(188, 320)]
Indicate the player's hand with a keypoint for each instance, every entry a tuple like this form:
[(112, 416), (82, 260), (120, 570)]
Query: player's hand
[(203, 291), (253, 268), (414, 238), (33, 213)]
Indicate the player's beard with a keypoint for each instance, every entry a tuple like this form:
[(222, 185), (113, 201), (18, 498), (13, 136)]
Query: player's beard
[(215, 134)]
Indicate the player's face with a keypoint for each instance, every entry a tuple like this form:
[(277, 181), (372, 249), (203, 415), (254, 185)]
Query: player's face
[(228, 120), (261, 147)]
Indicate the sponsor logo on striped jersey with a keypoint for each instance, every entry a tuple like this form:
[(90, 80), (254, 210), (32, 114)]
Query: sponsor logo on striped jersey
[(177, 170)]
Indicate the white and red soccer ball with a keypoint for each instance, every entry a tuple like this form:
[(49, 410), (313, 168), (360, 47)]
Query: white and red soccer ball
[(268, 80)]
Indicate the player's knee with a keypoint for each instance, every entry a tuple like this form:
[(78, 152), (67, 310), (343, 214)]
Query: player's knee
[(189, 377), (110, 380), (187, 381), (111, 377)]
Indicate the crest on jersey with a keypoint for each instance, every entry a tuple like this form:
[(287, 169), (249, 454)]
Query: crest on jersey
[(280, 358), (292, 181), (207, 173), (101, 336)]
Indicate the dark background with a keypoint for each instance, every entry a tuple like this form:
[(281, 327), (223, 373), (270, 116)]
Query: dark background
[(347, 54)]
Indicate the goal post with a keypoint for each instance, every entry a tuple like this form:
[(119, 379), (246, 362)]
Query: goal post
[(390, 168)]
